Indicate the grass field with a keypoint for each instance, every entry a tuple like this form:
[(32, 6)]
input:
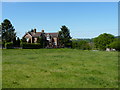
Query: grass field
[(59, 68)]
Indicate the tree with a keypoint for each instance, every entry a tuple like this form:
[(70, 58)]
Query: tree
[(64, 37), (18, 42), (8, 31), (115, 44), (23, 39), (14, 41), (103, 40), (42, 40)]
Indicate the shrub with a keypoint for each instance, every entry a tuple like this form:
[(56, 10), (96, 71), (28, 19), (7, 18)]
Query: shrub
[(14, 41), (74, 44), (30, 45), (18, 42), (103, 40), (115, 45), (23, 39), (83, 45), (9, 45), (3, 44)]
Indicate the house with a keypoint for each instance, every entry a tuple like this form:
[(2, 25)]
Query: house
[(52, 38)]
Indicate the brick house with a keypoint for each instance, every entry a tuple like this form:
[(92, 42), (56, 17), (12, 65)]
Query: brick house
[(52, 38)]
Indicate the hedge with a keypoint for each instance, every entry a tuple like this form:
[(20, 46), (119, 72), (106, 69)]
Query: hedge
[(9, 45), (30, 45), (83, 45)]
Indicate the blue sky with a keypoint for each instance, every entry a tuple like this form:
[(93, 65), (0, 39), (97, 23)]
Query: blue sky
[(84, 19)]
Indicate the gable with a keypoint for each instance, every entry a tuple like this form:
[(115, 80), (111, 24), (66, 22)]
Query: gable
[(27, 35)]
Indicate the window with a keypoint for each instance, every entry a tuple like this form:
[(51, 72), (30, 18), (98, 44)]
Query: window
[(27, 39)]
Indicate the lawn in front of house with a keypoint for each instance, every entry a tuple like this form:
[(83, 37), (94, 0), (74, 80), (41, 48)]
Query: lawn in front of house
[(59, 68)]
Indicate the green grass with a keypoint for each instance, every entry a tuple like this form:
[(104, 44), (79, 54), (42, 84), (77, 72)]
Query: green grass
[(59, 68)]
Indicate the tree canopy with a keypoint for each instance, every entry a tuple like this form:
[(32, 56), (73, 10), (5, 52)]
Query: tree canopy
[(42, 40), (103, 40), (64, 36), (8, 31)]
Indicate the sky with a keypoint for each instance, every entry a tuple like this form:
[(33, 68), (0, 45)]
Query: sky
[(60, 0), (84, 19)]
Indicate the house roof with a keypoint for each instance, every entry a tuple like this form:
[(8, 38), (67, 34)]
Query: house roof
[(37, 34), (53, 34)]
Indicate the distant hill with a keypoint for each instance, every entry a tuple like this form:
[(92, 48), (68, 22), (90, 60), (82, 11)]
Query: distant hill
[(80, 39), (117, 36), (87, 39)]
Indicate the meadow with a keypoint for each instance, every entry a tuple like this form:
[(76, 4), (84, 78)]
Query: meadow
[(59, 68)]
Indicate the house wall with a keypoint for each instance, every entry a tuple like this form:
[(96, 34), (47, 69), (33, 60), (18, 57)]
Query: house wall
[(27, 36), (55, 40), (35, 40)]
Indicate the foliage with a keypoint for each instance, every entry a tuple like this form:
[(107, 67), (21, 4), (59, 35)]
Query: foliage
[(9, 45), (43, 40), (39, 40), (18, 42), (64, 37), (115, 44), (88, 40), (3, 44), (23, 39), (83, 45), (14, 41), (8, 31), (103, 40), (31, 45)]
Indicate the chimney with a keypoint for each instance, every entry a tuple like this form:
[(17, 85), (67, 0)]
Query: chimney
[(34, 30), (42, 31)]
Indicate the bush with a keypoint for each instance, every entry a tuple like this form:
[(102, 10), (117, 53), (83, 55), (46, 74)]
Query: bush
[(74, 44), (83, 45), (9, 45), (18, 42), (3, 44), (30, 45), (103, 40), (115, 45)]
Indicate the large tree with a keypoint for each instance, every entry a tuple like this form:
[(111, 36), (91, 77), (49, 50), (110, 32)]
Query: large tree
[(8, 31), (42, 40), (103, 40), (64, 37)]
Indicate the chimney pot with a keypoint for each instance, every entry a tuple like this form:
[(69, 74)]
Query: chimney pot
[(34, 31), (42, 31)]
